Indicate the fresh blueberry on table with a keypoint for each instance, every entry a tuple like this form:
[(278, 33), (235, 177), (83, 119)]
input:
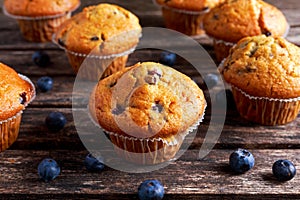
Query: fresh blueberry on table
[(284, 170), (55, 121), (40, 58), (94, 164), (167, 58), (45, 83), (151, 190), (211, 80), (48, 169), (241, 161)]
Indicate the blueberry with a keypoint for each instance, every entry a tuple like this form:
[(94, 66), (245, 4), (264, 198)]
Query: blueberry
[(211, 80), (40, 58), (241, 161), (150, 190), (94, 164), (167, 58), (284, 170), (45, 83), (48, 169), (55, 121)]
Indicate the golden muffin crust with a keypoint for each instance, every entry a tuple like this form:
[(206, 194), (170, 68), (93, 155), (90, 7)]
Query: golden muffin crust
[(102, 29), (147, 100), (264, 67), (235, 19), (189, 5), (15, 93), (37, 8)]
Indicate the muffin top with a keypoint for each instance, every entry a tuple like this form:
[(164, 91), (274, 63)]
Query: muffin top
[(101, 29), (264, 67), (15, 92), (37, 8), (235, 19), (189, 5), (147, 100)]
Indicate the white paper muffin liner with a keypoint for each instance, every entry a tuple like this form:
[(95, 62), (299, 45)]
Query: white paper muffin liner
[(92, 66), (39, 28), (9, 128), (264, 110), (9, 131), (184, 21), (148, 151)]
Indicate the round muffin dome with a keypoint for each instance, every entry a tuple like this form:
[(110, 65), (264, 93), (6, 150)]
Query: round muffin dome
[(15, 92), (147, 100), (103, 29), (38, 8), (235, 19), (265, 67)]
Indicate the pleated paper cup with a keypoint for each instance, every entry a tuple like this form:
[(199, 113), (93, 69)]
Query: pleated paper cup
[(9, 131), (9, 128), (264, 110), (41, 28), (147, 151), (97, 67), (184, 21), (97, 64), (221, 49)]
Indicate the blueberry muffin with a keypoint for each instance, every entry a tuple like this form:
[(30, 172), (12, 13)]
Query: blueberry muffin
[(234, 19), (147, 110), (264, 73), (16, 92), (186, 16), (100, 32), (39, 19)]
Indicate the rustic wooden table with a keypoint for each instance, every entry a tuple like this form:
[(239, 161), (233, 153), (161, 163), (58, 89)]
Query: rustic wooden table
[(187, 178)]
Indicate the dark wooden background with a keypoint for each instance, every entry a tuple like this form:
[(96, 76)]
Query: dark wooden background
[(187, 178)]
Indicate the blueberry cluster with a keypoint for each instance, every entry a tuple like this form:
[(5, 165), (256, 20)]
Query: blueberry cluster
[(242, 160)]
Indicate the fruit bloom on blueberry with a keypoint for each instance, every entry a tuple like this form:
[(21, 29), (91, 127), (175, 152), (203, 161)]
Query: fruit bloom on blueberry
[(284, 170), (94, 164), (48, 169), (55, 121), (167, 58), (151, 190), (241, 161), (40, 58), (45, 83), (211, 80)]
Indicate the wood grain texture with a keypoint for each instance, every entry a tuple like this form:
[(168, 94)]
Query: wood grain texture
[(236, 133), (210, 178), (148, 13), (188, 178)]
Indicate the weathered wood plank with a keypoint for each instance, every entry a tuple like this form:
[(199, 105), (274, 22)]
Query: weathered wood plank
[(186, 178), (148, 13), (21, 61), (236, 133)]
